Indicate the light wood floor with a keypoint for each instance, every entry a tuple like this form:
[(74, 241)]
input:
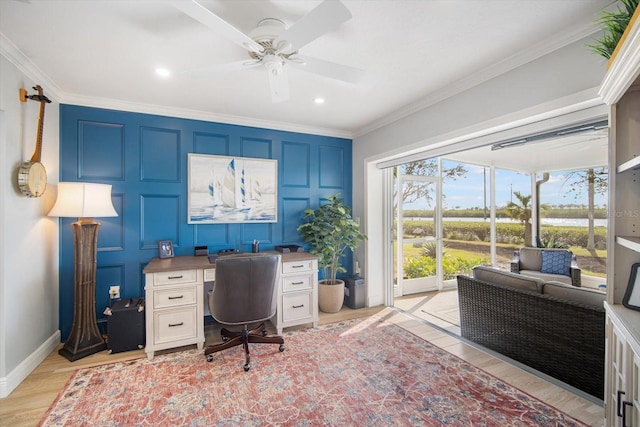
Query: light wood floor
[(26, 405)]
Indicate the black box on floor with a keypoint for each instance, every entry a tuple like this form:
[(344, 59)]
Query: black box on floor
[(354, 291), (125, 325)]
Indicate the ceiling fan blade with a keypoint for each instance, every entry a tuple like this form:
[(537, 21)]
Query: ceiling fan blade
[(324, 18), (215, 23), (221, 68), (328, 69), (279, 84)]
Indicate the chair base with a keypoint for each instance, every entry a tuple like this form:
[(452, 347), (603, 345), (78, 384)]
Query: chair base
[(233, 338)]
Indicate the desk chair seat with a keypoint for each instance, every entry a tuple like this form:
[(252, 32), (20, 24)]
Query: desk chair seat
[(244, 292)]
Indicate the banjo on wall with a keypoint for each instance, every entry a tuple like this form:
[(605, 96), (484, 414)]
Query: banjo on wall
[(32, 176)]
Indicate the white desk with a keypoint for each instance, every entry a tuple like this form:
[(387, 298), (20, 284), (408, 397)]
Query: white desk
[(174, 298)]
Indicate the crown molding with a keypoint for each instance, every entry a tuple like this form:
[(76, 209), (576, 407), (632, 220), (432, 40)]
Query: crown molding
[(24, 64), (532, 53), (115, 104)]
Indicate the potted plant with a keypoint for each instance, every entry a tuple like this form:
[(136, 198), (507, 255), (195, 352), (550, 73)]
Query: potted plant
[(614, 24), (330, 231)]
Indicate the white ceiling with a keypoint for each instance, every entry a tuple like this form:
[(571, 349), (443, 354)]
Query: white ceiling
[(103, 53)]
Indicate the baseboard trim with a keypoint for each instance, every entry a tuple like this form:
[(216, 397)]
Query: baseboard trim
[(22, 371)]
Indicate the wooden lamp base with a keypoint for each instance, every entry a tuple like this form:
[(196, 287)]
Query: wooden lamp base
[(85, 338)]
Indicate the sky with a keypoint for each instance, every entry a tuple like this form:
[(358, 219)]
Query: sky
[(468, 192)]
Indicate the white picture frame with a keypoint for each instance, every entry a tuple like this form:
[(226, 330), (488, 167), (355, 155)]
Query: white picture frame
[(231, 189)]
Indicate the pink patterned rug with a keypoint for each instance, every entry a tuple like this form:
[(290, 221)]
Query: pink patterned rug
[(359, 372)]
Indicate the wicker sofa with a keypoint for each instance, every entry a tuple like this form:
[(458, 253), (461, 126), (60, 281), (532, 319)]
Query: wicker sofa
[(554, 328)]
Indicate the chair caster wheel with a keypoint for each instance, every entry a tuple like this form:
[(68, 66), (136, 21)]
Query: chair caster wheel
[(209, 358), (264, 333), (225, 339), (246, 367), (281, 348)]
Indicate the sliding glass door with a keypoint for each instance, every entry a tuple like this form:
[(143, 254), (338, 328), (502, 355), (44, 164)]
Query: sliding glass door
[(418, 249)]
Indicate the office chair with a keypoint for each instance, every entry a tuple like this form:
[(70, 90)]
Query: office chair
[(244, 292)]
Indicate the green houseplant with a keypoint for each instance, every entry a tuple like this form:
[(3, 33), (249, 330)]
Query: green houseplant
[(330, 230), (614, 24)]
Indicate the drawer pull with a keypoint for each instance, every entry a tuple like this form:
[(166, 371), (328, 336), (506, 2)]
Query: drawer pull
[(297, 266), (171, 325), (175, 277), (297, 283), (181, 296), (624, 412), (619, 409), (297, 306)]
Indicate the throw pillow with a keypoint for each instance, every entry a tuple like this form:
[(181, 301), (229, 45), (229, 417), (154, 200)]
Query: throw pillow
[(556, 262)]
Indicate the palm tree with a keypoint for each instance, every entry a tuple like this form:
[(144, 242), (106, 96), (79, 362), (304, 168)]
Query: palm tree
[(521, 211)]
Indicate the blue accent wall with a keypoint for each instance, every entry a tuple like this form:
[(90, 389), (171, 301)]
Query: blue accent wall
[(144, 158)]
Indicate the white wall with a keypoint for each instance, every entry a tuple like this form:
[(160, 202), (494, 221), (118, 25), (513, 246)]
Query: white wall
[(28, 238), (557, 80)]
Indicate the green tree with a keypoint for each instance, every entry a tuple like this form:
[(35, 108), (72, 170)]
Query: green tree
[(415, 190), (596, 181), (521, 210)]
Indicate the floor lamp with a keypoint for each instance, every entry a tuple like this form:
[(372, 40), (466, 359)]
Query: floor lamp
[(84, 201)]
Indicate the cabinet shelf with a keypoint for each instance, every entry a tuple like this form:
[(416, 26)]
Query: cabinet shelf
[(632, 243), (632, 164)]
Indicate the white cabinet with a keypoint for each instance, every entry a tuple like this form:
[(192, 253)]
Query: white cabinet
[(621, 90), (174, 309), (174, 294), (298, 291), (623, 368)]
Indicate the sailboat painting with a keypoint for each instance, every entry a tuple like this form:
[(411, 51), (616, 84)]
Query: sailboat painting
[(224, 189)]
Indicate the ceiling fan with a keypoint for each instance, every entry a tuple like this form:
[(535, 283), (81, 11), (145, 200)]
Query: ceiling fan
[(275, 47)]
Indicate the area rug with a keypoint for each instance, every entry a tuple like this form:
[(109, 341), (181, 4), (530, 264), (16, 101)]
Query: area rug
[(353, 373)]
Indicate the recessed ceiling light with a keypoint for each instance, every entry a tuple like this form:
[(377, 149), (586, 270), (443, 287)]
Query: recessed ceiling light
[(163, 72), (318, 100)]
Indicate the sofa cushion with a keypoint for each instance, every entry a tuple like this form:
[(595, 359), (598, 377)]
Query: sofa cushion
[(556, 262), (506, 278), (545, 277), (571, 293), (530, 259)]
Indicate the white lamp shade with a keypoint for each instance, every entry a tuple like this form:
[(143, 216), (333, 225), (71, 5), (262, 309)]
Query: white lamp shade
[(83, 200)]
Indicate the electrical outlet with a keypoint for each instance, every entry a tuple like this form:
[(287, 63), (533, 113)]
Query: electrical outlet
[(114, 292)]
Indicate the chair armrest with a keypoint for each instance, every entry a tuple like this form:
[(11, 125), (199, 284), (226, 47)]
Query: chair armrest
[(575, 272), (515, 262)]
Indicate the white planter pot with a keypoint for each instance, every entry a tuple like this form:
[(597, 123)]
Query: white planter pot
[(330, 297)]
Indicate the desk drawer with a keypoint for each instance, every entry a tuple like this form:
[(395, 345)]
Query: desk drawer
[(296, 306), (174, 297), (297, 266), (175, 277), (296, 283), (173, 325)]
